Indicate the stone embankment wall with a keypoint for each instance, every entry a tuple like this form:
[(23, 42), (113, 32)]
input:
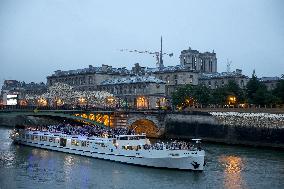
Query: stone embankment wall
[(257, 129)]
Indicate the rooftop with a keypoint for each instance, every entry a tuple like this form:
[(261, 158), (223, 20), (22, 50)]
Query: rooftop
[(103, 69), (167, 69), (133, 79), (237, 73), (264, 79)]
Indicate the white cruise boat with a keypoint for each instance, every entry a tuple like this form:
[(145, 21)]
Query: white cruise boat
[(130, 149)]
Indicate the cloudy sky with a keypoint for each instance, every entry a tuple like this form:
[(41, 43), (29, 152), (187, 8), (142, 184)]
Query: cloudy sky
[(38, 37)]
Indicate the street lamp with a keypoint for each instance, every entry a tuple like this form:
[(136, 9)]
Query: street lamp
[(232, 100)]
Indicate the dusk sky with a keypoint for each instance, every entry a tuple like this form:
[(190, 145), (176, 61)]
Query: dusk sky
[(38, 37)]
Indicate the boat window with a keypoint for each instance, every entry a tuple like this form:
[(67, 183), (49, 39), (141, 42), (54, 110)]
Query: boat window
[(83, 143), (127, 147), (174, 154), (34, 137), (74, 142), (123, 138), (43, 138)]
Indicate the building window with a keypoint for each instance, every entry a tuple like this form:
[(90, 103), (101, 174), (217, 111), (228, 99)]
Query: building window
[(168, 79), (142, 103), (242, 83), (90, 80), (176, 82)]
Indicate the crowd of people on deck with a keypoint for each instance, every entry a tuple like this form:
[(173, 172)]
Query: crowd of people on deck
[(261, 120), (173, 145), (85, 130), (101, 131)]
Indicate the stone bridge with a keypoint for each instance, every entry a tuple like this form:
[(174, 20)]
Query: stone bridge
[(153, 123), (226, 127), (150, 122)]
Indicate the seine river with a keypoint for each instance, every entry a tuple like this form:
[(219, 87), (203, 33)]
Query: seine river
[(227, 167)]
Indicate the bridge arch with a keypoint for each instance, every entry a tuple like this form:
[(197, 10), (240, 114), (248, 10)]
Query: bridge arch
[(145, 126)]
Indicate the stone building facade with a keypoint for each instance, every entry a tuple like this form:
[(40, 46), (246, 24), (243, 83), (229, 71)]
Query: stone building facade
[(174, 77), (197, 61), (129, 85), (270, 82), (21, 89), (217, 80), (91, 78), (88, 78), (142, 92)]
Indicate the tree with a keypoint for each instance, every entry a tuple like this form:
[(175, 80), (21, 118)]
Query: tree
[(66, 94), (279, 91), (258, 94), (201, 94), (218, 96), (180, 96), (252, 87), (189, 95), (233, 89)]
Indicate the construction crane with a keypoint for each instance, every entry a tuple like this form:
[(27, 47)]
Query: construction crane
[(157, 54), (229, 63)]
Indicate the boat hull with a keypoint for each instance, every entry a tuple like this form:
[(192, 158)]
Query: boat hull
[(194, 162)]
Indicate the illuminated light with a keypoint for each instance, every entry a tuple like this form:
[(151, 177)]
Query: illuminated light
[(232, 100), (84, 116), (110, 99), (23, 102), (142, 102), (92, 117), (42, 102), (145, 126), (99, 118), (82, 101), (242, 105), (233, 167), (105, 120), (59, 102)]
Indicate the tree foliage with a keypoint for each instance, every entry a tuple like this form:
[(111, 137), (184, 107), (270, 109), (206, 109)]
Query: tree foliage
[(256, 93), (279, 91), (189, 95)]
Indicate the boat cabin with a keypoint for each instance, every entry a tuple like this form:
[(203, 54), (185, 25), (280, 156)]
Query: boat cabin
[(132, 140)]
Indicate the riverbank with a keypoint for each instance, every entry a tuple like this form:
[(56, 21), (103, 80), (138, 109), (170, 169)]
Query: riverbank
[(240, 128), (249, 129)]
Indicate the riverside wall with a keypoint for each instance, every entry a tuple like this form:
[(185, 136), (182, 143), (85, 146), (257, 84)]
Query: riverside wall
[(253, 129)]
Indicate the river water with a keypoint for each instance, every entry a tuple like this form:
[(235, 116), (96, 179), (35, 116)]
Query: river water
[(227, 166)]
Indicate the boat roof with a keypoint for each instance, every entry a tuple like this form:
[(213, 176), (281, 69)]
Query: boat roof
[(130, 135)]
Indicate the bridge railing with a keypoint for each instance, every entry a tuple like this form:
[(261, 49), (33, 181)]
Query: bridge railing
[(146, 111)]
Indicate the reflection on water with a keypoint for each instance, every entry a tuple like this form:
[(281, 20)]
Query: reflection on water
[(233, 167), (229, 167)]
